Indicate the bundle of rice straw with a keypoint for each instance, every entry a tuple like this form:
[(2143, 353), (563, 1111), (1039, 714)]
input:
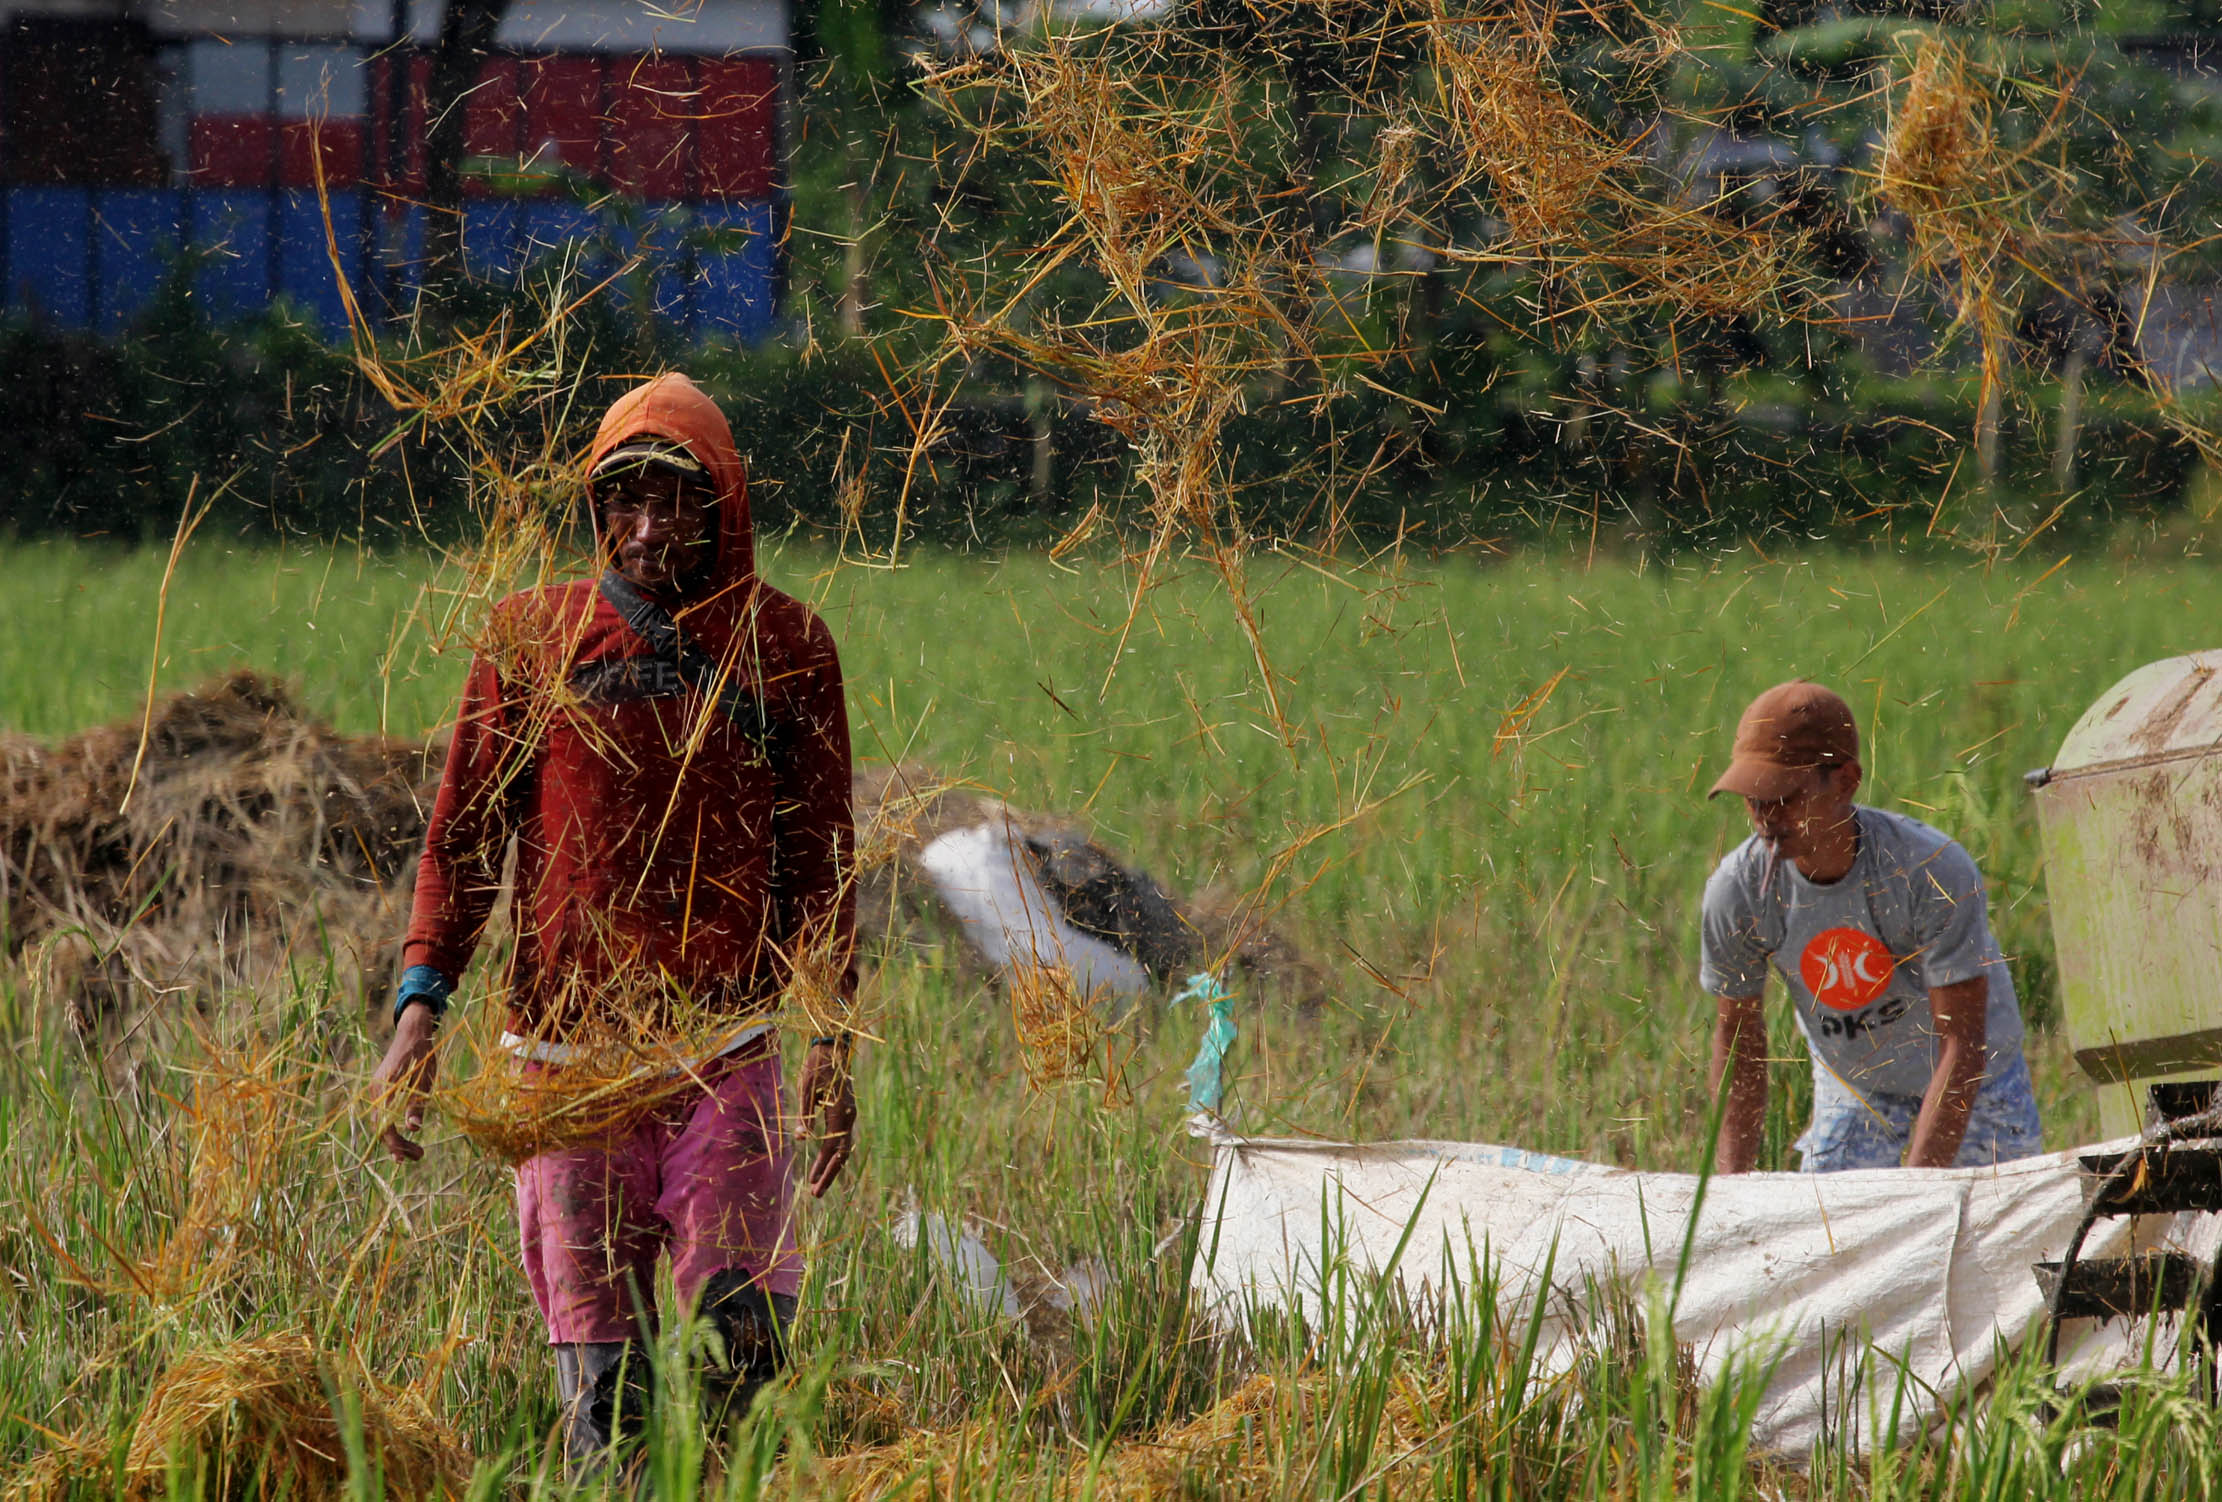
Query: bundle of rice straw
[(259, 1418), (1059, 1027), (618, 1054), (614, 1050), (603, 1082), (1966, 199), (243, 1113), (1941, 163), (1218, 1442)]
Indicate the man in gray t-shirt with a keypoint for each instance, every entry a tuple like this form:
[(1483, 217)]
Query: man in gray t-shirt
[(1879, 928)]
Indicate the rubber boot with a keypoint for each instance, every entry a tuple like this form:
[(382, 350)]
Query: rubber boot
[(603, 1386), (752, 1325)]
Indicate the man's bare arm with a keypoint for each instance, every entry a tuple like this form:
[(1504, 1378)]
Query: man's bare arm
[(404, 1079), (1740, 1053), (1959, 1010), (829, 1102)]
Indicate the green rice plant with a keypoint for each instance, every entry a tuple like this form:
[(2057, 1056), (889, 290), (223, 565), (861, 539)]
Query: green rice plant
[(1508, 945)]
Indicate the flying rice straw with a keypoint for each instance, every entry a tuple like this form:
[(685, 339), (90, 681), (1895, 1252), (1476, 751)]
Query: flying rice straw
[(1058, 1026), (1160, 154), (187, 521), (1965, 199)]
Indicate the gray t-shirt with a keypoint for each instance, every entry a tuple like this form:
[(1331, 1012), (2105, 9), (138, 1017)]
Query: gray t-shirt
[(1860, 954)]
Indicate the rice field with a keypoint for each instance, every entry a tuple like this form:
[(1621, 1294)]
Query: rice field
[(1480, 812)]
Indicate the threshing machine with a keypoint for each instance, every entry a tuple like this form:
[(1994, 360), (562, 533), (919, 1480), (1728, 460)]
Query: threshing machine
[(2132, 816)]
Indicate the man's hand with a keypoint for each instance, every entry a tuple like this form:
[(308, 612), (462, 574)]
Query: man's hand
[(408, 1070), (829, 1103)]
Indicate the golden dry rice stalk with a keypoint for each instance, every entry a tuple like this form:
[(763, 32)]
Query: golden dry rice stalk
[(606, 1078), (1237, 1447), (611, 1055), (244, 1114), (925, 1462), (1213, 1443), (1966, 197), (819, 996), (257, 1418), (472, 395), (1059, 1026), (1942, 166), (1507, 123)]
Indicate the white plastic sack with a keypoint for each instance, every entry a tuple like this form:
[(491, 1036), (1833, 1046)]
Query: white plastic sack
[(1931, 1266), (986, 877), (976, 1271)]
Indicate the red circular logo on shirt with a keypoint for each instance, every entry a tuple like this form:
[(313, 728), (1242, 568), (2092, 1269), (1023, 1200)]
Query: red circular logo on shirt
[(1846, 968)]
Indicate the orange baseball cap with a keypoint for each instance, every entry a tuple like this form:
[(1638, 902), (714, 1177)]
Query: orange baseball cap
[(1787, 732)]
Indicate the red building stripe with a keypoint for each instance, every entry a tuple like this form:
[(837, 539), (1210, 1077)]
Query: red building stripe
[(655, 126), (415, 81), (652, 102), (737, 127), (339, 141), (493, 119), (231, 151), (563, 114)]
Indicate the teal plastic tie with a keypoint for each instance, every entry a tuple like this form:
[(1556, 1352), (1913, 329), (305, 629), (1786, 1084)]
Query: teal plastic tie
[(1206, 1087)]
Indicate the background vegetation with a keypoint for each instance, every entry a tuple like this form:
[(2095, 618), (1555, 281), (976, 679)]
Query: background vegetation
[(1579, 536), (1519, 748)]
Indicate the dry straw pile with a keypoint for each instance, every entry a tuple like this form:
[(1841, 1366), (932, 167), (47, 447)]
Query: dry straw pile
[(243, 835), (260, 1419), (1240, 1446)]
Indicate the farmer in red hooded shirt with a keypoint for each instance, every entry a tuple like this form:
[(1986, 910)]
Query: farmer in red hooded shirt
[(667, 748)]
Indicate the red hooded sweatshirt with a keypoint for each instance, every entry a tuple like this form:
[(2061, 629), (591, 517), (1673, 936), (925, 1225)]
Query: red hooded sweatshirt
[(660, 845)]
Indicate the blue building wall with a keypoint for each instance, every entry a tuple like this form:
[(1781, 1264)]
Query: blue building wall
[(90, 258)]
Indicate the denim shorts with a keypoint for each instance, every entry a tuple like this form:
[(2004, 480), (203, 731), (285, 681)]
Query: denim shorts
[(1873, 1130)]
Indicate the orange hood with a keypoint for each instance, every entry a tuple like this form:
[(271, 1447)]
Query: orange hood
[(674, 409)]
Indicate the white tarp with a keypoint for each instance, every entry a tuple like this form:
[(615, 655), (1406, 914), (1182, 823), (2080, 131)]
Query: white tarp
[(1931, 1266), (985, 876)]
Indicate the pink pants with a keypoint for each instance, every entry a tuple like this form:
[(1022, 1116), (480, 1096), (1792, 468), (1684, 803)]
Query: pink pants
[(703, 1179)]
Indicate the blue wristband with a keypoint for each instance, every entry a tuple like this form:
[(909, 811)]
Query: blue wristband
[(422, 983)]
